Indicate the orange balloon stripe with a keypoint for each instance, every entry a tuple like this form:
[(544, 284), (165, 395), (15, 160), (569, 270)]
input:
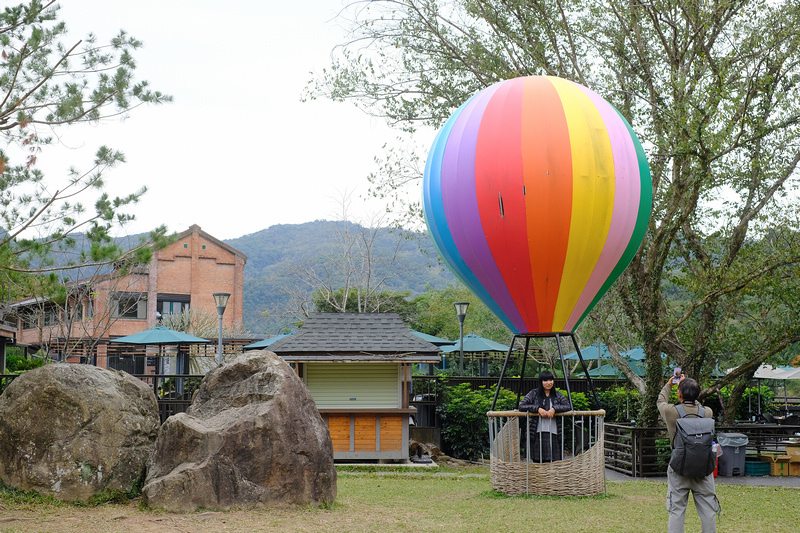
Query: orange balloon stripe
[(547, 162), (499, 188)]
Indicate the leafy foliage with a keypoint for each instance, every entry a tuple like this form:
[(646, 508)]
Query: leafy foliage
[(621, 403), (47, 84), (465, 428), (379, 302), (579, 400), (436, 315), (19, 363), (749, 403)]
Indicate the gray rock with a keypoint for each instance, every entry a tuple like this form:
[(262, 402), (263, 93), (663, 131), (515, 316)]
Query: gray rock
[(74, 431), (252, 438)]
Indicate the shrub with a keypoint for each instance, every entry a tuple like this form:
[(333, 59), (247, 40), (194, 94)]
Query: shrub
[(621, 403), (18, 363), (579, 400), (749, 401), (465, 427)]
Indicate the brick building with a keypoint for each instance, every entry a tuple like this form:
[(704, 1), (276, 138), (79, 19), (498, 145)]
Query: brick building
[(182, 276)]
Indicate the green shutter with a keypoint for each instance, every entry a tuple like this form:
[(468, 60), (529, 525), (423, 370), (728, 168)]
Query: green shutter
[(361, 385)]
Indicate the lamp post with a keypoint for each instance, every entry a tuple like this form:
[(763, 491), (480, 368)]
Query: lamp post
[(221, 299), (461, 313)]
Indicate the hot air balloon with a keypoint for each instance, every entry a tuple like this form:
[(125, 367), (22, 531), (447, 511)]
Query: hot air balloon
[(537, 194)]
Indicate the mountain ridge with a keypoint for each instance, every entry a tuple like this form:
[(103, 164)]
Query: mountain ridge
[(276, 254)]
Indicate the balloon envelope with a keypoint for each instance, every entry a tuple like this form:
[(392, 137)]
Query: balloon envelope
[(537, 194)]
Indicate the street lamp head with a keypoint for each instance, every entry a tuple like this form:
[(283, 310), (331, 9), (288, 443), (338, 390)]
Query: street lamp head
[(221, 300), (461, 309), (461, 313)]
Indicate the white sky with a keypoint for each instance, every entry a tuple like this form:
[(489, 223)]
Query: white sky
[(237, 151)]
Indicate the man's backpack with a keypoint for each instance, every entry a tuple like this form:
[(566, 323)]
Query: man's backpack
[(692, 453)]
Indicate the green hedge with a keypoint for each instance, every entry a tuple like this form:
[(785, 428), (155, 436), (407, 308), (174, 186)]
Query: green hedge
[(465, 427), (621, 403), (18, 363)]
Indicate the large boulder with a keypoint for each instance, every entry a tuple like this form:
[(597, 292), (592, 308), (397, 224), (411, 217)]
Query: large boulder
[(252, 438), (75, 431)]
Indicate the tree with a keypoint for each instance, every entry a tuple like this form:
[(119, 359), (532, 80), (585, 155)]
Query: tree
[(435, 315), (385, 302), (46, 85), (711, 90), (354, 274)]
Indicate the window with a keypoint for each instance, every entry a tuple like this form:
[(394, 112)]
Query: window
[(75, 311), (172, 304), (30, 320), (169, 308), (129, 305), (51, 316)]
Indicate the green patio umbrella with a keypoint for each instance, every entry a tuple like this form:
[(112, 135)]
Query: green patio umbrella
[(161, 336), (433, 339), (264, 343), (476, 344), (610, 371), (590, 352)]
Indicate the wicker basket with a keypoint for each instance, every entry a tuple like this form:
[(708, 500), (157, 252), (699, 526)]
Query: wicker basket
[(581, 475)]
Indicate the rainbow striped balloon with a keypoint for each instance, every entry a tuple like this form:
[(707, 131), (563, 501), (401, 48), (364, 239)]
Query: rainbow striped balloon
[(537, 193)]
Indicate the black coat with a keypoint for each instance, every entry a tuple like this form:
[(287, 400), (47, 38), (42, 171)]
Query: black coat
[(532, 402)]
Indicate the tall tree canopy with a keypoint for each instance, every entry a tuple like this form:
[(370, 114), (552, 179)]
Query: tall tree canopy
[(710, 86), (48, 83)]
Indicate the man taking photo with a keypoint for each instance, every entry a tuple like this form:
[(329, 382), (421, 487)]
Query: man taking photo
[(678, 486)]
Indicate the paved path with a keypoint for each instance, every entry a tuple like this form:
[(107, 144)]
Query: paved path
[(759, 481)]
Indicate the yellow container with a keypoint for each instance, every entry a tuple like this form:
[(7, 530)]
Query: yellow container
[(793, 452), (778, 464)]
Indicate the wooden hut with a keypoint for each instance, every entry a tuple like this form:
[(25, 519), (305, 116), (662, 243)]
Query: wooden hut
[(357, 367)]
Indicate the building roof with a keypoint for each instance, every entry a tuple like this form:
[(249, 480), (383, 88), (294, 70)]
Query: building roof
[(366, 337), (194, 228)]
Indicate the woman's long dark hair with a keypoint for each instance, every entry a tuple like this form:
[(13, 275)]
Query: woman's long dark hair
[(545, 375)]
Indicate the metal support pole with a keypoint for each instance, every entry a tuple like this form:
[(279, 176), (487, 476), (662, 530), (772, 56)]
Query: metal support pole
[(219, 341), (503, 373), (586, 370), (564, 370), (461, 347)]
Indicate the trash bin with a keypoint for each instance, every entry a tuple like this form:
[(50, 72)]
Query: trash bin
[(734, 449)]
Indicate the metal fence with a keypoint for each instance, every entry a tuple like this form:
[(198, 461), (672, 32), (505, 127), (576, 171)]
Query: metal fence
[(645, 452)]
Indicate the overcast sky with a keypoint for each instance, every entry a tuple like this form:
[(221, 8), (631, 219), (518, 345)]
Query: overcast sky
[(237, 151)]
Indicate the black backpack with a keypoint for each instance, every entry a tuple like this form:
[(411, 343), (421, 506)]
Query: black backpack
[(692, 453)]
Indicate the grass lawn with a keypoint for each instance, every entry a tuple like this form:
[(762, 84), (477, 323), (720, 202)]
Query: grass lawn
[(389, 501)]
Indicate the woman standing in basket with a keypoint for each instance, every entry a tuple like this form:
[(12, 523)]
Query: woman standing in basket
[(545, 430)]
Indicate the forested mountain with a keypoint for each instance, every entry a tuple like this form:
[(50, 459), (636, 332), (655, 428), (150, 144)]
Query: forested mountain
[(278, 256)]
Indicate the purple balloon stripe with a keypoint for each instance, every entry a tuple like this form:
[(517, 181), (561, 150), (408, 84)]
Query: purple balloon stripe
[(626, 203), (459, 198)]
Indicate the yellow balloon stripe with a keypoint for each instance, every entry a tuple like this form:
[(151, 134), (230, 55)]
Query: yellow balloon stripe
[(592, 196)]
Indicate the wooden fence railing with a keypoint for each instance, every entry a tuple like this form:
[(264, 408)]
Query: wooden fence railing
[(644, 452)]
